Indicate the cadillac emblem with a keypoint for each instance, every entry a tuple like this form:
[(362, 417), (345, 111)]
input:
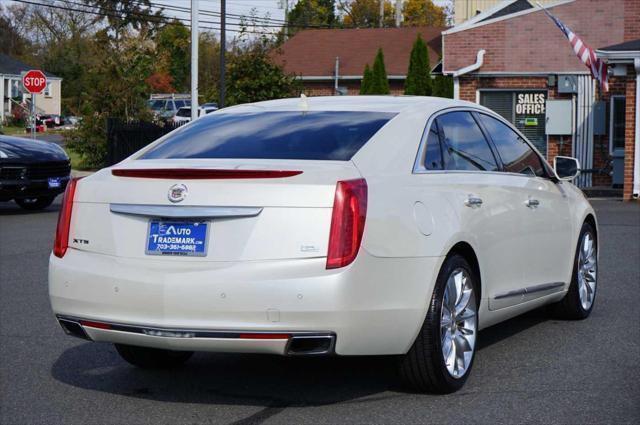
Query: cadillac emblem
[(177, 193)]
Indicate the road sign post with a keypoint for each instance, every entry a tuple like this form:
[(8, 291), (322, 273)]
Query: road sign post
[(34, 82)]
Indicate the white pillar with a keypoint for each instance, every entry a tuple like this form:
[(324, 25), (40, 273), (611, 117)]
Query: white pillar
[(194, 60), (456, 88), (2, 99)]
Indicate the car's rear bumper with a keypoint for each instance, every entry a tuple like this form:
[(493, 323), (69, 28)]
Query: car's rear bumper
[(374, 306)]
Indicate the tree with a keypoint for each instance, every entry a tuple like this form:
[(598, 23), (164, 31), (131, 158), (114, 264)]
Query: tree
[(418, 81), (379, 81), (123, 15), (208, 66), (366, 13), (367, 76), (252, 77), (160, 83), (173, 49), (311, 13), (12, 42), (423, 13), (443, 86)]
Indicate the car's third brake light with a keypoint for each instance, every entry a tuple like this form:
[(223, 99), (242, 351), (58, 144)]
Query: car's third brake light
[(64, 220), (347, 222)]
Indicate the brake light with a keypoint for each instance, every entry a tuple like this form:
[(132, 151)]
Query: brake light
[(202, 173), (64, 220), (347, 222)]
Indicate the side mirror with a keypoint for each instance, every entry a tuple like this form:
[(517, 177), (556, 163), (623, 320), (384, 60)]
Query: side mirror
[(566, 167)]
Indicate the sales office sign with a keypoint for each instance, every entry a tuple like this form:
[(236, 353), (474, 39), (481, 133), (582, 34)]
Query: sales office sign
[(530, 103)]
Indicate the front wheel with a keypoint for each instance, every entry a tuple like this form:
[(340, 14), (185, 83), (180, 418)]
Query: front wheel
[(152, 358), (578, 302), (441, 357)]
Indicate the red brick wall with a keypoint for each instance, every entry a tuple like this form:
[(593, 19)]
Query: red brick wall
[(629, 136), (532, 43)]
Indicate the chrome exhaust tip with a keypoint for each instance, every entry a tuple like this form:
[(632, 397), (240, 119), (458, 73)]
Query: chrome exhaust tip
[(311, 345), (73, 328)]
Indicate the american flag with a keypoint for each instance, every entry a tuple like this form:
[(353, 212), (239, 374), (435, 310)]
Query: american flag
[(585, 53)]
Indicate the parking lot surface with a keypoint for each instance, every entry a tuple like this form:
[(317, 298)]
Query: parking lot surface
[(530, 369)]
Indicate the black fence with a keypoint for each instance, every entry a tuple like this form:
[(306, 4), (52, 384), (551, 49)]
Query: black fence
[(127, 137)]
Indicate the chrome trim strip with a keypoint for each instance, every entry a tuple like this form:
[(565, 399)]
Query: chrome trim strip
[(163, 332), (173, 211), (529, 290)]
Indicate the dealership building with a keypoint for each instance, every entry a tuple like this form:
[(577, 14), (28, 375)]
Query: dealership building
[(513, 59)]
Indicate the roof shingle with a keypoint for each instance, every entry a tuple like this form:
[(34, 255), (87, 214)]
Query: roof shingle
[(313, 52), (12, 66)]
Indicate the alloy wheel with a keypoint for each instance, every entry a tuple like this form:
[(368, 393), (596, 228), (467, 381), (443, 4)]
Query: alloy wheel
[(458, 324), (587, 270)]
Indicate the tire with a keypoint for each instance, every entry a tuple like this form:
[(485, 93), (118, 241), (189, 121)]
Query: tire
[(35, 204), (152, 358), (424, 367), (578, 302)]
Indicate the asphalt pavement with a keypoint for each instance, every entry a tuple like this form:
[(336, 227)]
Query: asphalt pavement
[(532, 369)]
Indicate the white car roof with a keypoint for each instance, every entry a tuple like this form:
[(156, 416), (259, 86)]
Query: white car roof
[(394, 104)]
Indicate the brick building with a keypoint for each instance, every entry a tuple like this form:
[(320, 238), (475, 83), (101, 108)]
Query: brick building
[(332, 61), (522, 66)]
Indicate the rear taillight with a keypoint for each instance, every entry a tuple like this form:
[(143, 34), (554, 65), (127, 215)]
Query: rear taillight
[(347, 222), (64, 220)]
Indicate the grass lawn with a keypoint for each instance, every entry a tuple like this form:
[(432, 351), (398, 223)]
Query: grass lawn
[(12, 130), (77, 162)]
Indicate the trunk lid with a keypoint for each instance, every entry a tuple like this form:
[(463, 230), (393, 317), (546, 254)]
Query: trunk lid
[(248, 219)]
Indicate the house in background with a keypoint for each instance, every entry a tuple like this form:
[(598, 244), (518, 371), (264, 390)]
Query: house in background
[(12, 95), (517, 62), (332, 61), (468, 9)]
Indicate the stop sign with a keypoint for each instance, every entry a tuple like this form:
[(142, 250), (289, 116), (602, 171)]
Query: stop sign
[(34, 81)]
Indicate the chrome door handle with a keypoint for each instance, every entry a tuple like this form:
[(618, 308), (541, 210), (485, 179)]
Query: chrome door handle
[(532, 203), (473, 201)]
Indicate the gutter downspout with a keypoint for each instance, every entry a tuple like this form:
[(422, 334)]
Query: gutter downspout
[(636, 159), (337, 76), (466, 70)]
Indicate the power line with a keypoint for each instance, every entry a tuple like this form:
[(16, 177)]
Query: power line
[(142, 17)]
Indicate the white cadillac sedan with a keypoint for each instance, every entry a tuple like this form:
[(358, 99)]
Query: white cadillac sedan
[(338, 225)]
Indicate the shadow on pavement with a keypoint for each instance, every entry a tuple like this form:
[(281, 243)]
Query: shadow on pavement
[(272, 382)]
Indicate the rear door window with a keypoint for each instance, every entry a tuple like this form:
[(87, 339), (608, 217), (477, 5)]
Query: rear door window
[(464, 147), (318, 135), (516, 155)]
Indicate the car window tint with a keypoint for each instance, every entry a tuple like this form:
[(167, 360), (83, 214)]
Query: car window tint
[(328, 135), (517, 156), (433, 152), (463, 144)]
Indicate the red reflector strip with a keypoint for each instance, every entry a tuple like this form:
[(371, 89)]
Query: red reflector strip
[(264, 336), (98, 325), (202, 174)]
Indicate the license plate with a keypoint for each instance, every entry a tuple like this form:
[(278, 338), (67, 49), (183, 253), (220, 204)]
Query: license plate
[(55, 182), (177, 238)]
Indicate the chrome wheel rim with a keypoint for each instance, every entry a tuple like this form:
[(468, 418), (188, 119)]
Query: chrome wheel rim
[(458, 323), (587, 270)]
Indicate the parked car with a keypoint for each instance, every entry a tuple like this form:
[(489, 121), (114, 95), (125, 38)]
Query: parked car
[(51, 120), (340, 225), (164, 107), (32, 173), (184, 114)]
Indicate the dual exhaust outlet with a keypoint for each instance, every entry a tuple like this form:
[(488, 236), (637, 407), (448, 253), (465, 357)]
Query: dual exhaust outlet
[(298, 344)]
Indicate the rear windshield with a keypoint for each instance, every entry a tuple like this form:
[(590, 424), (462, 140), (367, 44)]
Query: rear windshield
[(273, 135)]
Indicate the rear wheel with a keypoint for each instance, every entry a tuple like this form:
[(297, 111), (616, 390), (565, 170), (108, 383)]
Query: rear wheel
[(152, 358), (578, 302), (441, 357), (34, 204)]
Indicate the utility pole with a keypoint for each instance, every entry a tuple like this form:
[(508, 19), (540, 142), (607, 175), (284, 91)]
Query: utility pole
[(194, 60), (398, 13), (284, 4), (381, 13), (223, 48)]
